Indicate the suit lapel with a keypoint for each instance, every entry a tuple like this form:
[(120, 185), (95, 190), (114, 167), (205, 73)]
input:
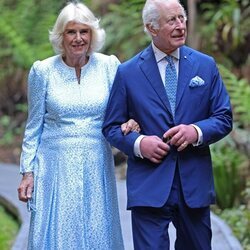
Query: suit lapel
[(150, 69), (185, 70)]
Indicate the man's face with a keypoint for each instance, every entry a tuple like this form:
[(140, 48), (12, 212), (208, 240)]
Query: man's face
[(172, 27)]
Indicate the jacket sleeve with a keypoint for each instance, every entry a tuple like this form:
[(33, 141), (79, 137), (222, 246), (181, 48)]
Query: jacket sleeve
[(219, 122), (116, 114)]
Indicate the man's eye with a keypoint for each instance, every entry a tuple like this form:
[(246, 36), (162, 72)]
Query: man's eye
[(171, 20), (181, 17)]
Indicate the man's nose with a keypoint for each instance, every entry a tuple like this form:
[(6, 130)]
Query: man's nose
[(179, 22)]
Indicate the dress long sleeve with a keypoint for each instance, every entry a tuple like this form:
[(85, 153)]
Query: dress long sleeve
[(36, 95)]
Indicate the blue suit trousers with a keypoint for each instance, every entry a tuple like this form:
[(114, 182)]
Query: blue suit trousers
[(193, 226)]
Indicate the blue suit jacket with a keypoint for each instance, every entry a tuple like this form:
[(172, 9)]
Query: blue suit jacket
[(138, 93)]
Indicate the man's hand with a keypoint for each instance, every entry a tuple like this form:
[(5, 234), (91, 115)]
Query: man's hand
[(130, 125), (153, 148), (25, 188), (181, 136)]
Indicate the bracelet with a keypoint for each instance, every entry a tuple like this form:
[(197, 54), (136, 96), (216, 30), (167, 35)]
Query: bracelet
[(28, 174)]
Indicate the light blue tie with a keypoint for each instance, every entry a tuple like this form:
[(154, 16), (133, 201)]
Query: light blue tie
[(171, 82)]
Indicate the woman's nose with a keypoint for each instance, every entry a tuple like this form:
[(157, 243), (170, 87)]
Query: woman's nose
[(78, 36)]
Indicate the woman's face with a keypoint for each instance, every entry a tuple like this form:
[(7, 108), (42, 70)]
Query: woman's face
[(76, 40)]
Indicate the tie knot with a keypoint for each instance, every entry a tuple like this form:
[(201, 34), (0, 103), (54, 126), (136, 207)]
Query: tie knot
[(169, 60)]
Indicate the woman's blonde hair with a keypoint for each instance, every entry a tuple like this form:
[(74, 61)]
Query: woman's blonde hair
[(79, 13)]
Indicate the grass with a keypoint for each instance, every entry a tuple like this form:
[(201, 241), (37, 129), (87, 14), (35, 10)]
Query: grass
[(8, 229)]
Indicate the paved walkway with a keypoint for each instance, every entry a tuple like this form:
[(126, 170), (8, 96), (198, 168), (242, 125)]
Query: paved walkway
[(9, 181)]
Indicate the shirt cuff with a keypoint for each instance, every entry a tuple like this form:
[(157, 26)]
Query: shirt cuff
[(200, 136), (137, 150)]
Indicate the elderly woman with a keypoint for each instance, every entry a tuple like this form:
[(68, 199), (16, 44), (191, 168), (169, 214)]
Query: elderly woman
[(67, 165)]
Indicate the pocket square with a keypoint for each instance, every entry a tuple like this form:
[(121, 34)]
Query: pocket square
[(196, 82)]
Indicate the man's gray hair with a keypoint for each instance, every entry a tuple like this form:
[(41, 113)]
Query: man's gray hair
[(151, 15)]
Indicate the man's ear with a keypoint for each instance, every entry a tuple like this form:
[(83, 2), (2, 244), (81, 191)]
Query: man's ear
[(151, 30)]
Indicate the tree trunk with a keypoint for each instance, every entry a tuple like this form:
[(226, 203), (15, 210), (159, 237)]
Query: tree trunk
[(193, 39)]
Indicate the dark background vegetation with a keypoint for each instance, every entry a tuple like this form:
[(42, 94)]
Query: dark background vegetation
[(219, 28)]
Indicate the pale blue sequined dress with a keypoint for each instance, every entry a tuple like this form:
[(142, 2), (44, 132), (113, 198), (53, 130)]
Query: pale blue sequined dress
[(74, 191)]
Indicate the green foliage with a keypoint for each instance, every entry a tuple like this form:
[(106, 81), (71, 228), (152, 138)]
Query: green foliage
[(11, 128), (24, 29), (229, 24), (24, 34), (124, 27), (230, 158), (239, 90), (228, 165), (8, 230), (20, 51), (7, 136), (239, 220), (226, 18)]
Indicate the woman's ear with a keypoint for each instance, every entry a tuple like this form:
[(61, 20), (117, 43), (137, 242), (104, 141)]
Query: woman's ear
[(151, 30)]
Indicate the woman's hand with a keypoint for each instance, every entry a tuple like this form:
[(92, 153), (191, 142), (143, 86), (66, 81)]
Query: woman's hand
[(25, 188), (130, 125)]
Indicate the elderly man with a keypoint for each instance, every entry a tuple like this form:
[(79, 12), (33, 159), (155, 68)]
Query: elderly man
[(177, 96)]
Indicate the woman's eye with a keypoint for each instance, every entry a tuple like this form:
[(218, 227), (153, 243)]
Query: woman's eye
[(81, 32), (71, 32), (84, 31)]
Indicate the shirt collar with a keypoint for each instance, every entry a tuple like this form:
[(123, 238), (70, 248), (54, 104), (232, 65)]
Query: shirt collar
[(159, 55)]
